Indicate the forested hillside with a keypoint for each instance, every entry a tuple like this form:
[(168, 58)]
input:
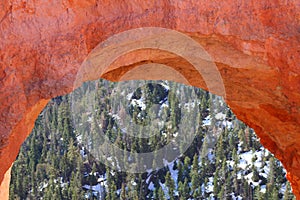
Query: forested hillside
[(224, 159)]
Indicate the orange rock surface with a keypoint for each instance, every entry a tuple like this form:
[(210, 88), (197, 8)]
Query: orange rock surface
[(255, 46)]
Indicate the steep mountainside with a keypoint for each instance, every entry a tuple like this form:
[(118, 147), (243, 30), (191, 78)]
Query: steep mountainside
[(224, 159)]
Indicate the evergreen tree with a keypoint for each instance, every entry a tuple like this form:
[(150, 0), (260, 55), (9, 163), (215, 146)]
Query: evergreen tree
[(170, 185), (274, 195), (195, 177), (123, 192), (186, 168), (161, 194), (258, 195), (180, 177), (183, 189), (216, 184), (235, 172), (288, 195)]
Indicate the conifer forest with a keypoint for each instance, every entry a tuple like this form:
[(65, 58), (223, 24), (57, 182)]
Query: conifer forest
[(215, 156)]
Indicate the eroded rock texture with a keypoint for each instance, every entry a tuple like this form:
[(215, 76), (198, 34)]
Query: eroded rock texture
[(254, 44)]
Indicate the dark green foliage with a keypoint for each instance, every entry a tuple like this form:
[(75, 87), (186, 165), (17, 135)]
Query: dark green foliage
[(53, 163), (170, 185)]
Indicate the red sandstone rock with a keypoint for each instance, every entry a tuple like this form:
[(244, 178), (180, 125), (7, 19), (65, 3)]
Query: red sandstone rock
[(255, 46)]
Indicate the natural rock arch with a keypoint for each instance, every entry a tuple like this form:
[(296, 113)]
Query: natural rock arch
[(254, 45)]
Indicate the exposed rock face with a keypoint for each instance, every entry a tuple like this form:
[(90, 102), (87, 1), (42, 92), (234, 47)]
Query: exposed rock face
[(255, 46)]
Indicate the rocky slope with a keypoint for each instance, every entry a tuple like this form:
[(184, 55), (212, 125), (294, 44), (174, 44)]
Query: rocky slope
[(254, 45)]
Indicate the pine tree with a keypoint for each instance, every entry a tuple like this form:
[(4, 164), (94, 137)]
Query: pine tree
[(255, 173), (217, 188), (183, 189), (258, 195), (170, 185), (274, 195), (219, 151), (12, 195), (123, 192), (180, 177), (33, 185), (224, 179), (221, 194), (195, 177), (113, 189), (57, 193), (75, 186), (50, 188), (161, 194), (235, 172), (271, 178), (186, 187), (186, 167), (246, 193), (288, 195)]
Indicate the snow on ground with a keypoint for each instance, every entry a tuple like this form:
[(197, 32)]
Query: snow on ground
[(139, 103), (43, 185), (210, 185), (79, 138), (174, 173), (245, 163), (164, 189), (220, 116), (210, 156), (96, 189), (116, 117), (90, 119), (165, 86), (128, 97), (246, 159), (151, 186), (102, 178), (263, 188), (190, 106), (133, 183), (227, 124), (207, 121), (82, 152)]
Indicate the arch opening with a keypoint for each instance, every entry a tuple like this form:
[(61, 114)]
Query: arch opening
[(225, 126)]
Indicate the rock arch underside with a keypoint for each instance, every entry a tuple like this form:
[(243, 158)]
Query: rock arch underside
[(255, 46)]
